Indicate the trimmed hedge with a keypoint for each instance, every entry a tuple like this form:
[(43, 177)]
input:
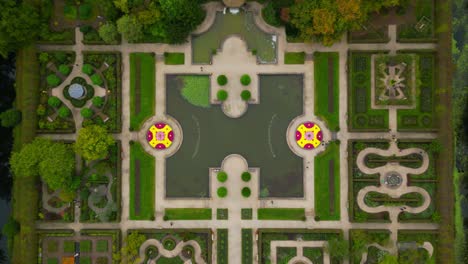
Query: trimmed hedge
[(222, 95), (293, 214), (245, 79), (187, 214), (294, 58), (222, 80), (174, 58), (246, 95)]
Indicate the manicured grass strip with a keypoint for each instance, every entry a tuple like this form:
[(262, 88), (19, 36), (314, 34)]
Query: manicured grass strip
[(142, 88), (294, 214), (327, 183), (69, 246), (247, 247), (187, 214), (25, 196), (102, 246), (86, 246), (222, 246), (142, 167), (294, 58), (174, 58), (326, 74)]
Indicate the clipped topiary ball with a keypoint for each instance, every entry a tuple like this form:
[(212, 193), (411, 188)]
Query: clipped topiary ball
[(246, 176), (246, 95), (245, 79), (54, 101), (246, 192), (222, 80), (53, 80), (64, 112), (98, 101), (222, 95), (86, 113), (96, 79), (222, 192), (87, 69), (222, 176), (64, 69)]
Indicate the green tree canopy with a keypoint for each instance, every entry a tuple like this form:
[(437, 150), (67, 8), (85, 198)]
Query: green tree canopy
[(180, 18), (93, 142), (339, 247), (19, 23), (108, 32), (130, 28), (130, 252), (53, 161), (10, 118)]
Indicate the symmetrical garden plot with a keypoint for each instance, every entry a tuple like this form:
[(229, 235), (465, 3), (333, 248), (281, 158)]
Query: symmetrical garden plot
[(274, 195)]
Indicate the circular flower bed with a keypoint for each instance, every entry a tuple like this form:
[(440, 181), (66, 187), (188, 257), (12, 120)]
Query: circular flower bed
[(169, 244), (308, 135), (160, 136)]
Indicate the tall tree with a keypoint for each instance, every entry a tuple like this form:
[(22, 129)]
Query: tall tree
[(18, 25), (180, 18), (93, 142), (108, 32), (132, 243), (130, 28)]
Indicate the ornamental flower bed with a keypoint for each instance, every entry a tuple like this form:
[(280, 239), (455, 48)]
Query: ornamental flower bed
[(160, 136), (308, 135)]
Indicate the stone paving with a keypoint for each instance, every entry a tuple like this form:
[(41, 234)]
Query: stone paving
[(235, 164)]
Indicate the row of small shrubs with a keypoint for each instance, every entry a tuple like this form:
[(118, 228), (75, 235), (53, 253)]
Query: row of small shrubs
[(222, 177), (245, 80), (222, 95)]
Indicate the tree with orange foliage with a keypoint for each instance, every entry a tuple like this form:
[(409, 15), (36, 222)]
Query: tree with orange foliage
[(350, 10)]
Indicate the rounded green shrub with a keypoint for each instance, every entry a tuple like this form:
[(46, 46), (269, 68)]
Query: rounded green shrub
[(245, 79), (54, 101), (222, 176), (222, 80), (87, 69), (96, 79), (246, 176), (222, 192), (169, 244), (246, 95), (222, 95), (84, 11), (60, 56), (246, 192), (10, 118), (86, 113), (64, 69), (53, 80), (64, 112), (41, 110), (98, 101)]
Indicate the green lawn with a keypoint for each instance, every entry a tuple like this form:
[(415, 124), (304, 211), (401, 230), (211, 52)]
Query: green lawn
[(196, 90), (69, 246), (102, 246), (144, 96), (294, 58), (187, 214), (86, 246), (294, 214), (174, 58), (327, 102), (321, 180), (146, 197), (52, 261)]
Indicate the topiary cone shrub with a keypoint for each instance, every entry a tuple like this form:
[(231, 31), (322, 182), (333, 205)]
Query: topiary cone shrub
[(245, 79), (222, 80), (246, 95), (222, 95), (86, 113)]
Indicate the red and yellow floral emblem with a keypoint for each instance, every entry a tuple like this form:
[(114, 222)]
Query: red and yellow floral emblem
[(308, 135), (160, 136)]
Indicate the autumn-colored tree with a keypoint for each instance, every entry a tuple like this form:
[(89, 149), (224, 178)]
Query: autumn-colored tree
[(350, 10), (323, 22)]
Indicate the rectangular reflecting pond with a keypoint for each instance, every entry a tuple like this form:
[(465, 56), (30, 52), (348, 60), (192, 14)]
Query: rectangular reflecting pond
[(259, 136)]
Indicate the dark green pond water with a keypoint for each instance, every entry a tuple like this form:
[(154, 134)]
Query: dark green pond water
[(241, 24), (259, 136)]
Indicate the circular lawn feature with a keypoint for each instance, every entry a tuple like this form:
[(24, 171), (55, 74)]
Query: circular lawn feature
[(222, 80), (245, 79), (246, 176), (246, 192), (246, 95), (222, 192), (222, 95), (222, 176), (169, 244), (151, 252), (160, 136)]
